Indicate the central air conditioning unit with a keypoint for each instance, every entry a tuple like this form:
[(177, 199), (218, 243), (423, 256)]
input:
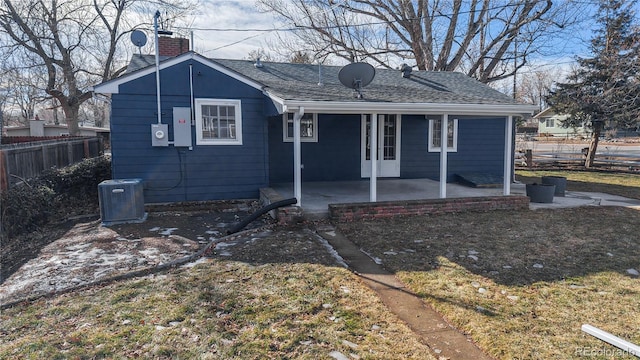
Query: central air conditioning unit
[(121, 201)]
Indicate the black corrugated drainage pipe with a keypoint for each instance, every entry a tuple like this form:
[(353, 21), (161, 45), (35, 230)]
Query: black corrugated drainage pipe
[(239, 226)]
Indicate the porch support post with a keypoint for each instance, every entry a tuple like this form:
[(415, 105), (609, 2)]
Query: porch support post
[(444, 144), (297, 158), (508, 130), (373, 153)]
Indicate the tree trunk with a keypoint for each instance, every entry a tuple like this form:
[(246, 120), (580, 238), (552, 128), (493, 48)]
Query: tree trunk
[(593, 147)]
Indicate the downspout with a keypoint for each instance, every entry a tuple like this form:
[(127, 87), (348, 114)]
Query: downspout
[(155, 29)]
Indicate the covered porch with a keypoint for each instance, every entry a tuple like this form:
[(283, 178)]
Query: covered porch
[(318, 195)]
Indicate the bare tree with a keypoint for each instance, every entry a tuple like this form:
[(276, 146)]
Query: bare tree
[(74, 42), (534, 85), (480, 37)]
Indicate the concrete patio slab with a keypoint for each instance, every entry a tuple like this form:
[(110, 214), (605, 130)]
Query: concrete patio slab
[(316, 196)]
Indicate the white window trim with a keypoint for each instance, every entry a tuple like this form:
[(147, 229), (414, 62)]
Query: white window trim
[(453, 148), (285, 127), (218, 102)]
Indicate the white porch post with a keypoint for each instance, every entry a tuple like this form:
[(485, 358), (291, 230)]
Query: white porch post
[(444, 144), (373, 153), (297, 159), (508, 130)]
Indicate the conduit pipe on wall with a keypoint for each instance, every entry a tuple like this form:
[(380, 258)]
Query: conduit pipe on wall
[(155, 29)]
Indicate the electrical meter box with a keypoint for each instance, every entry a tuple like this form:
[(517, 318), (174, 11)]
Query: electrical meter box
[(159, 135), (182, 126), (121, 201)]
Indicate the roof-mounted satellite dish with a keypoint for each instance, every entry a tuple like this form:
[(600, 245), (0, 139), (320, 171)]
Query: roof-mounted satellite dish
[(356, 76), (139, 39)]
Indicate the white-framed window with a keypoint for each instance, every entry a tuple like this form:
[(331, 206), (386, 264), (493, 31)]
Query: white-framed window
[(308, 127), (435, 141), (550, 123), (218, 122)]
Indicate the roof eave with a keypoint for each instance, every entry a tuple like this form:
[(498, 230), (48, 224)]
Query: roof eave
[(405, 108)]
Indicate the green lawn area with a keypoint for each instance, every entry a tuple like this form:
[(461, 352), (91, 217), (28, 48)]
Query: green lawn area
[(623, 184)]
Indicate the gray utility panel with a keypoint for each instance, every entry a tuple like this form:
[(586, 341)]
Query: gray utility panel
[(182, 126)]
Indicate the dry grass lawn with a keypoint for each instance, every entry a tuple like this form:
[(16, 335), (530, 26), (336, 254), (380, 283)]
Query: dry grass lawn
[(521, 284), (280, 296)]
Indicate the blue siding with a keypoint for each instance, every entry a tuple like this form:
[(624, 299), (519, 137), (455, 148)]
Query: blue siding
[(480, 147), (336, 155), (206, 172)]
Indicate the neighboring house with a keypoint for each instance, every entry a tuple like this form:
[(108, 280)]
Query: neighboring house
[(240, 135), (39, 128), (551, 124)]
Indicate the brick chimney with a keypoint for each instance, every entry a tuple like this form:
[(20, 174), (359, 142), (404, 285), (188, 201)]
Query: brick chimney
[(168, 46)]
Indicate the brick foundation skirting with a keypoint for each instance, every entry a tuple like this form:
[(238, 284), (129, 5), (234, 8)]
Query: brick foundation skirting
[(385, 209), (286, 214)]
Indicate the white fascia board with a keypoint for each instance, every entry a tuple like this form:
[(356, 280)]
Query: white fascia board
[(406, 108), (113, 86)]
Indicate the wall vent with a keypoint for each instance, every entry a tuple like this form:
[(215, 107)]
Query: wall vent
[(121, 201)]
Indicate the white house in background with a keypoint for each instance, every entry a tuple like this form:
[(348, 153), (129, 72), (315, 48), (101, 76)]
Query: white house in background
[(551, 124), (39, 128)]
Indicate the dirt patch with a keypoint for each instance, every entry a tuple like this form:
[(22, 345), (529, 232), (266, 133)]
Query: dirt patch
[(88, 252)]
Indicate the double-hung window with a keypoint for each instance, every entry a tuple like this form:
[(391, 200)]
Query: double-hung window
[(218, 122), (549, 123), (308, 127), (435, 135)]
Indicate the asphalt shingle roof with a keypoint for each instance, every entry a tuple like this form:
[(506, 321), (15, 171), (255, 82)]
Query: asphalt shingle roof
[(300, 82)]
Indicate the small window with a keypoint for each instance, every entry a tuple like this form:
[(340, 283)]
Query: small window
[(218, 122), (308, 127), (435, 140), (550, 123)]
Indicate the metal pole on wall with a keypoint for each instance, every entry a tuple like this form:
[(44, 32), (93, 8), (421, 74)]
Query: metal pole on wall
[(155, 29)]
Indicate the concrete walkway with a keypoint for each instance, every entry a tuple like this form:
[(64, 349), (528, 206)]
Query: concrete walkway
[(445, 341)]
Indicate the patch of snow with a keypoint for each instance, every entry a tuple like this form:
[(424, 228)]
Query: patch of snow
[(154, 229), (475, 284), (538, 266), (473, 257), (194, 263), (609, 254), (633, 272), (506, 266), (338, 355), (482, 290), (331, 233), (350, 344), (168, 231), (391, 252)]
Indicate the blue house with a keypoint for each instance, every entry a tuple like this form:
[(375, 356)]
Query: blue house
[(230, 127)]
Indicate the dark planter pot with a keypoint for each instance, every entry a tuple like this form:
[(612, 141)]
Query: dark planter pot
[(540, 193), (559, 181)]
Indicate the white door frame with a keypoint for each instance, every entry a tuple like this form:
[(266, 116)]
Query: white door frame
[(386, 168)]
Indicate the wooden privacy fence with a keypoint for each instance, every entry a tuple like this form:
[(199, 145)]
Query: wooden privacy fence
[(27, 160)]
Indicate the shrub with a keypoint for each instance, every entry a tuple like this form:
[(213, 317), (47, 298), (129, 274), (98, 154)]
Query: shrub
[(56, 194)]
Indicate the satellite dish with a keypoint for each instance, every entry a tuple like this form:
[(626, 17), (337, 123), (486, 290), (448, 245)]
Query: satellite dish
[(356, 76), (138, 38)]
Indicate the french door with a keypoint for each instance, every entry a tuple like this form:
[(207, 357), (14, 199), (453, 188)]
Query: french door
[(387, 155)]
